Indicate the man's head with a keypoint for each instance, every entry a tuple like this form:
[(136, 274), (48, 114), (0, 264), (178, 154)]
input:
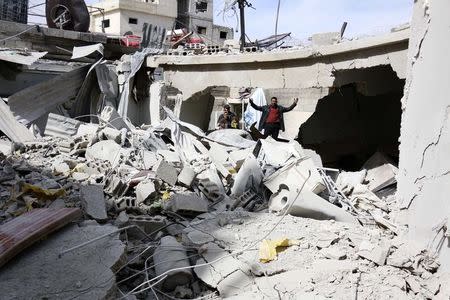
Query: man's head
[(274, 101), (226, 108)]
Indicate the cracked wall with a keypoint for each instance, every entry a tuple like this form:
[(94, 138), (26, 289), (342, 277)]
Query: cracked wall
[(424, 170), (306, 74)]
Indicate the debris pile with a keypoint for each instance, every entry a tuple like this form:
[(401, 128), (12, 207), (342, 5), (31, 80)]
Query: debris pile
[(167, 211)]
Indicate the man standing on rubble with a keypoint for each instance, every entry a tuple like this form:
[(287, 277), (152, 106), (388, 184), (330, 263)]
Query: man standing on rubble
[(226, 119), (272, 120)]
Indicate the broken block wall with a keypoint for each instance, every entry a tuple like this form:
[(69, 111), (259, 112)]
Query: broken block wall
[(424, 175)]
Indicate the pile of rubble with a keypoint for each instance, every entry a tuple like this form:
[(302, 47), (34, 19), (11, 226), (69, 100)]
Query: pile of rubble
[(98, 208), (170, 212)]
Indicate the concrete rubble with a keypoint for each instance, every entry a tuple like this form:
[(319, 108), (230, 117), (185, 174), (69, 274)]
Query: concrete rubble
[(171, 211), (201, 205)]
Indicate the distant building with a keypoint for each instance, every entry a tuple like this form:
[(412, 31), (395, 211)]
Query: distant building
[(197, 16), (14, 10), (122, 17)]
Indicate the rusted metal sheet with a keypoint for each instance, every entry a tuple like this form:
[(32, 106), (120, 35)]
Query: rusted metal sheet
[(21, 232)]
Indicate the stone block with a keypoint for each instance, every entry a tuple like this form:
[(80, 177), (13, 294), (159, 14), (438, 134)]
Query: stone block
[(187, 204), (166, 172), (149, 224), (186, 176), (93, 201), (105, 150), (144, 190)]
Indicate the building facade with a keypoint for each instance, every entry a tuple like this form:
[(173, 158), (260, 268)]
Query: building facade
[(197, 16), (120, 17)]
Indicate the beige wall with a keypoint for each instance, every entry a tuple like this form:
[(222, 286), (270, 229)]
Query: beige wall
[(307, 73), (424, 170)]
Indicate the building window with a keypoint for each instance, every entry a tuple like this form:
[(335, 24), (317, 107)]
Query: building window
[(105, 23), (223, 35), (201, 6), (132, 20), (201, 30)]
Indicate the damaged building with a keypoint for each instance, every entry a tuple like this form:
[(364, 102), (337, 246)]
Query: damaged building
[(116, 183)]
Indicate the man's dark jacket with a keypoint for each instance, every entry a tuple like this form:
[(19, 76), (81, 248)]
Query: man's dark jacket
[(265, 113)]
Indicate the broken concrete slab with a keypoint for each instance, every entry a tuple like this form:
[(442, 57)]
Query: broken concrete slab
[(199, 238), (249, 176), (216, 272), (166, 172), (169, 156), (6, 147), (149, 159), (186, 176), (144, 190), (333, 253), (346, 181), (381, 177), (109, 133), (373, 252), (106, 150), (93, 201), (21, 232), (111, 117), (59, 277), (171, 255), (234, 284), (186, 204), (381, 172)]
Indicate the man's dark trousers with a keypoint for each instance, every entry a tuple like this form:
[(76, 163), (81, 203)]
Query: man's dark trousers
[(272, 129)]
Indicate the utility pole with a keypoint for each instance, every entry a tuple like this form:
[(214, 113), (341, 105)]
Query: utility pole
[(278, 14), (242, 19)]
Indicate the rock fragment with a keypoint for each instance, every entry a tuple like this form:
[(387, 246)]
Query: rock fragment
[(93, 201)]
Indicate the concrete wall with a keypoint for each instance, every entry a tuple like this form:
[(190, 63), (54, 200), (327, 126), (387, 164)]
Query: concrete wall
[(216, 30), (306, 74), (424, 175)]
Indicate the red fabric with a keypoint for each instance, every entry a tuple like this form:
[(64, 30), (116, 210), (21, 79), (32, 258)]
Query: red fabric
[(274, 116)]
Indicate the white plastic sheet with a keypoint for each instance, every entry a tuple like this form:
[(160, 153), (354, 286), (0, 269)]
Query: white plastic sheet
[(252, 115)]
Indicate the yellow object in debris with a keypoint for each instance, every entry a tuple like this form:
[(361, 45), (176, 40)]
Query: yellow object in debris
[(269, 249), (166, 196), (40, 193)]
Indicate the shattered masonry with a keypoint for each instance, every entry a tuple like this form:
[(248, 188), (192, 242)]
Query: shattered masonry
[(114, 183)]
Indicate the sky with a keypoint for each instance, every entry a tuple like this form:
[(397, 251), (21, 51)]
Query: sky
[(306, 17)]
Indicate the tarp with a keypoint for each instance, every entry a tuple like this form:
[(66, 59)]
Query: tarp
[(252, 115)]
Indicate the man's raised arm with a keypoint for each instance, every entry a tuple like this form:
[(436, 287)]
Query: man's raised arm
[(292, 106), (254, 105)]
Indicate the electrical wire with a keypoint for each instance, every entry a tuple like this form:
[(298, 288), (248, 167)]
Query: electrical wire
[(136, 291), (17, 34)]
